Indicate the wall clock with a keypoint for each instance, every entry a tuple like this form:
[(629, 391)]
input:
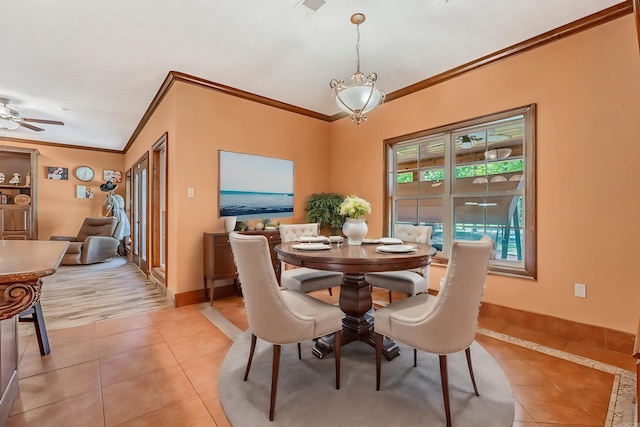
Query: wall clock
[(85, 173)]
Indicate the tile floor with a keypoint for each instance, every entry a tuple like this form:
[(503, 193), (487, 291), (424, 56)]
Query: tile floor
[(161, 368)]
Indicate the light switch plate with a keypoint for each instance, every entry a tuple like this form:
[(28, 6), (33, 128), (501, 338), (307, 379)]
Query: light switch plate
[(580, 290)]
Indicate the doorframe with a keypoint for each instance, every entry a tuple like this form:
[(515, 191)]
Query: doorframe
[(158, 272)]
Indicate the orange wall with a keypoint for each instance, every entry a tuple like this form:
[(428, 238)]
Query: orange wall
[(163, 120), (588, 95), (587, 89), (206, 121), (59, 211)]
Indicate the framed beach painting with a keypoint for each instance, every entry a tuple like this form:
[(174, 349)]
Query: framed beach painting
[(255, 187)]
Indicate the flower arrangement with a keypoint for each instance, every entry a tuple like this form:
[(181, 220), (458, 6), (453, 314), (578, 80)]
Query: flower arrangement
[(354, 207)]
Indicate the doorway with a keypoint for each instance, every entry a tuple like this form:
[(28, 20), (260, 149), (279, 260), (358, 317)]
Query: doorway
[(139, 198)]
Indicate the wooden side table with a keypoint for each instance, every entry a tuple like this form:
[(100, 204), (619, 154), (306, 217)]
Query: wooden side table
[(218, 261)]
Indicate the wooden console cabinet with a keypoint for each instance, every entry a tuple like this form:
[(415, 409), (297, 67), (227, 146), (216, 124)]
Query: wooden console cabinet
[(218, 259)]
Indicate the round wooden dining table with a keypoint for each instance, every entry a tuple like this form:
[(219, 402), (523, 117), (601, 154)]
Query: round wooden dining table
[(355, 293)]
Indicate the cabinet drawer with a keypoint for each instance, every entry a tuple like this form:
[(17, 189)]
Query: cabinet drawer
[(221, 239)]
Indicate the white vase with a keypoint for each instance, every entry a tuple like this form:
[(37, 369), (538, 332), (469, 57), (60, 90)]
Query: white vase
[(355, 230), (229, 223)]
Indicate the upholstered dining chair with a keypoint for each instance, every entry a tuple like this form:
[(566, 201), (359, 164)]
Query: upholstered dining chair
[(303, 279), (277, 315), (444, 324), (408, 282)]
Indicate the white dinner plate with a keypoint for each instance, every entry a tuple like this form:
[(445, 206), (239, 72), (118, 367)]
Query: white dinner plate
[(370, 241), (396, 249), (313, 239), (311, 246), (390, 241)]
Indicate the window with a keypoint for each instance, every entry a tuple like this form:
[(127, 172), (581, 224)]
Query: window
[(469, 179)]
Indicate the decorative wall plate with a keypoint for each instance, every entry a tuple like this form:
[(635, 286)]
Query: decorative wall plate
[(22, 199)]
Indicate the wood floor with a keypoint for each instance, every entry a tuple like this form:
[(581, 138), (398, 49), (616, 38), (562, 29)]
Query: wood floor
[(151, 365), (77, 295)]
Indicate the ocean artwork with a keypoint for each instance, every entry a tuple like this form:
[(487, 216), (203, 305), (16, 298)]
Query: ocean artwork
[(255, 187), (254, 205)]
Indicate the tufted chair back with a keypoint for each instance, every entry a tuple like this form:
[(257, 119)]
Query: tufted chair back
[(413, 233), (292, 232)]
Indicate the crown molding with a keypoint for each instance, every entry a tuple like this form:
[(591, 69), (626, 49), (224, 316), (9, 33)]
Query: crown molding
[(567, 30), (55, 144), (598, 18), (177, 76)]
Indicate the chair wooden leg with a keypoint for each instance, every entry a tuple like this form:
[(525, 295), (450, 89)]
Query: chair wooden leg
[(34, 315), (274, 380), (379, 339), (473, 379), (415, 358), (330, 292), (445, 387), (390, 297), (299, 352), (251, 350), (336, 352)]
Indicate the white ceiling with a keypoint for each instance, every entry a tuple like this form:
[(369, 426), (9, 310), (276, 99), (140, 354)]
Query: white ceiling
[(104, 61)]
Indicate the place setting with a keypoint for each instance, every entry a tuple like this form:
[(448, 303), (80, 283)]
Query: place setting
[(390, 245), (311, 246), (396, 249), (382, 240), (312, 243), (313, 239)]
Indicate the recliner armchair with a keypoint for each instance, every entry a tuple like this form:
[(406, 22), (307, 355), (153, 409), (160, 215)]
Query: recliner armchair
[(94, 242)]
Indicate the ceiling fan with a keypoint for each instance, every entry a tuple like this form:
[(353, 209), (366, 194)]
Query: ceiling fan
[(10, 118)]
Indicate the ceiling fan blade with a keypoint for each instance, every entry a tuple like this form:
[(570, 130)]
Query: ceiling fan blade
[(28, 126), (46, 122)]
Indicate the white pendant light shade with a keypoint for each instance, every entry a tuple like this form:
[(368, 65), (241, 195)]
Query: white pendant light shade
[(359, 99), (497, 153)]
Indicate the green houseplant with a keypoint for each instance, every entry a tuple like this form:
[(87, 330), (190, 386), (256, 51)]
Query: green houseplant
[(324, 208)]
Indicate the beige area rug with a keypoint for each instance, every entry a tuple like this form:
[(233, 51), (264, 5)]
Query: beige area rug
[(77, 295), (408, 397)]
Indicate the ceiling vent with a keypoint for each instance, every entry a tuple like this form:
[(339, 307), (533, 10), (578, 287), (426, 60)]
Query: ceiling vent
[(313, 4)]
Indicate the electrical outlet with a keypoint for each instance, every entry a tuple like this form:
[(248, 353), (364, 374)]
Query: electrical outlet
[(191, 192), (580, 290)]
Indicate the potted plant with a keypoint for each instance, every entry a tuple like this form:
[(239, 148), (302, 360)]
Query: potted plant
[(324, 208)]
